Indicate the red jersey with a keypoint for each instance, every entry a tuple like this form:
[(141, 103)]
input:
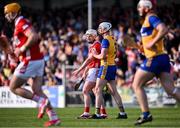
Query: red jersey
[(21, 26), (95, 63)]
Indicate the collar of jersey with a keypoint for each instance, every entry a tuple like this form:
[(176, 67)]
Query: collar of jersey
[(18, 19)]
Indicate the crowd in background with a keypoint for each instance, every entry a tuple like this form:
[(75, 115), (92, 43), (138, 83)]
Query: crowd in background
[(61, 40)]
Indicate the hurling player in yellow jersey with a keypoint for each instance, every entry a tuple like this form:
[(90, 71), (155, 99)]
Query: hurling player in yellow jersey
[(107, 71), (157, 61)]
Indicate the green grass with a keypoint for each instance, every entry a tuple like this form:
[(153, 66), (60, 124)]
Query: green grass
[(21, 117)]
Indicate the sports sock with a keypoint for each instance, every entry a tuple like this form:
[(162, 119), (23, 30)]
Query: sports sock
[(145, 114), (86, 109), (97, 111), (121, 108), (122, 113), (103, 111), (51, 114)]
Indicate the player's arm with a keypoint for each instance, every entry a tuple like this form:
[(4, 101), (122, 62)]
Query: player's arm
[(32, 39), (102, 55), (85, 73), (88, 60), (161, 30), (85, 63), (104, 50), (140, 47)]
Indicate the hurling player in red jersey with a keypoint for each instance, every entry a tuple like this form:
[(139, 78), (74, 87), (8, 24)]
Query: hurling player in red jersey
[(31, 63), (91, 67)]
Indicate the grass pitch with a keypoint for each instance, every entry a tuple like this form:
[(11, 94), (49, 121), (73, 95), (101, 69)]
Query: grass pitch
[(26, 117)]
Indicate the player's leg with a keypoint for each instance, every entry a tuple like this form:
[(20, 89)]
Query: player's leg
[(168, 84), (39, 96), (103, 110), (88, 86), (100, 83), (20, 76), (44, 103), (140, 79), (166, 78), (117, 98), (53, 118), (35, 70), (15, 86)]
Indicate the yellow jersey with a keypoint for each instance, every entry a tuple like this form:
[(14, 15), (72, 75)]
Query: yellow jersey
[(109, 43), (148, 33)]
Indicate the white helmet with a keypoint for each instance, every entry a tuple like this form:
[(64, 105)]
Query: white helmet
[(104, 27), (145, 3), (91, 32)]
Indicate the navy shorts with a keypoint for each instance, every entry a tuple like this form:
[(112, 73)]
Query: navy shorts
[(157, 64), (107, 72)]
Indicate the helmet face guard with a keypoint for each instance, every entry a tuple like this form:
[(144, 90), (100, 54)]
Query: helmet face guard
[(90, 35), (104, 27)]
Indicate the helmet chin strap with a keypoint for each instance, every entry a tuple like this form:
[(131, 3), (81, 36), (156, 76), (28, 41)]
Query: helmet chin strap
[(105, 32)]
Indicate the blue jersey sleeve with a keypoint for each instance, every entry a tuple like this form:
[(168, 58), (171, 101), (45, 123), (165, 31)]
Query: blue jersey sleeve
[(154, 21), (105, 43)]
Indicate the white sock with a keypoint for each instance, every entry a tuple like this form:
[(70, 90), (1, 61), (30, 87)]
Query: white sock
[(86, 113), (52, 115), (122, 113), (98, 115)]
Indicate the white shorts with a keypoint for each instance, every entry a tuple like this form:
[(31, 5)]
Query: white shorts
[(92, 74), (32, 69)]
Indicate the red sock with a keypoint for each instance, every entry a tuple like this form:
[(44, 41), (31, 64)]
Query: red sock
[(86, 109), (103, 111)]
